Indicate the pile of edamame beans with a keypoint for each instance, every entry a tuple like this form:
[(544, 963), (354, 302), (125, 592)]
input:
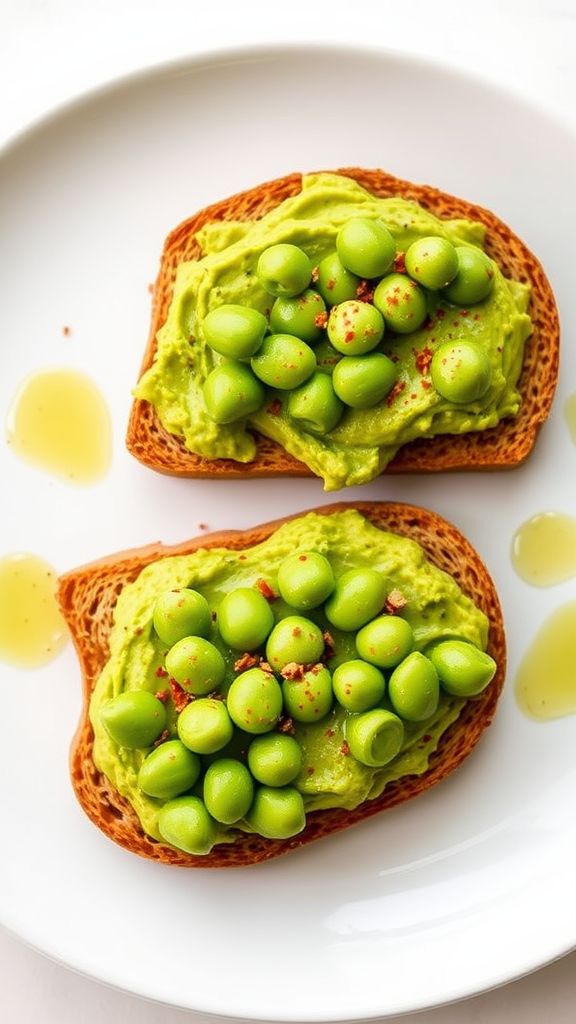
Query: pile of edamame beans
[(278, 353), (196, 772)]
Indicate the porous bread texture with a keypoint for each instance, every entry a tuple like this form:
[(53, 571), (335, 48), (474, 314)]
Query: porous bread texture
[(88, 596), (501, 447)]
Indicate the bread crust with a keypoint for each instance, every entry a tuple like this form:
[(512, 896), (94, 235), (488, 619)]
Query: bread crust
[(501, 447), (88, 596)]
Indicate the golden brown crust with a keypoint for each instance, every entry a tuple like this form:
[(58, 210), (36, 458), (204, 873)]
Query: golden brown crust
[(88, 596), (501, 447)]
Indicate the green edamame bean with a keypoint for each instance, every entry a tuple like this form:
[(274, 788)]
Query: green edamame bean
[(234, 331), (401, 302), (310, 698), (355, 327), (275, 760), (375, 737), (179, 613), (358, 686), (168, 771), (305, 579), (474, 280), (432, 262), (228, 790), (315, 405), (284, 269), (413, 688), (464, 670), (363, 381), (245, 619), (284, 362), (186, 824), (336, 283), (302, 316), (365, 247), (385, 641), (294, 639), (255, 701), (134, 718), (461, 371), (277, 813), (196, 664), (205, 726), (358, 596), (232, 392)]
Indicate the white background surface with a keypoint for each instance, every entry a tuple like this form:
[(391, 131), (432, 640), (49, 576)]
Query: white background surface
[(52, 49)]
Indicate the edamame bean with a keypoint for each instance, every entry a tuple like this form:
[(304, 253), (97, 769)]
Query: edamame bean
[(432, 262), (294, 639), (134, 718), (375, 737), (365, 247), (464, 670), (413, 688), (196, 664), (234, 331), (284, 269), (358, 686), (315, 405), (245, 619), (255, 701), (363, 381), (401, 302), (277, 813), (284, 362), (358, 596), (305, 579), (355, 327), (474, 280), (228, 790), (461, 371), (309, 698), (232, 392), (168, 771), (186, 824), (336, 283), (385, 641), (275, 760), (205, 726), (179, 613), (302, 316)]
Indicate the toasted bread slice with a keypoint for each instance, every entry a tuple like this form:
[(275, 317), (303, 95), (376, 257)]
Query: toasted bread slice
[(88, 596), (501, 447)]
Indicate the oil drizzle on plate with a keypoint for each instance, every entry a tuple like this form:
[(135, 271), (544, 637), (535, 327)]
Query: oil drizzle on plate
[(544, 549), (59, 421), (546, 679), (570, 415), (32, 630)]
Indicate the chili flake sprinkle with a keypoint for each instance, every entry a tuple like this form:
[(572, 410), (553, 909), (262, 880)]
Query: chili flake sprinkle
[(266, 590), (423, 360), (395, 602), (180, 698), (396, 390), (160, 672), (275, 407), (321, 319), (345, 749), (400, 263)]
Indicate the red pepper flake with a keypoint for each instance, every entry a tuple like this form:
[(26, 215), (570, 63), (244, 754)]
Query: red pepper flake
[(296, 631), (310, 770), (302, 558), (275, 407), (160, 672), (463, 312), (396, 390), (321, 319), (345, 749), (328, 644), (292, 671), (330, 284), (162, 695), (180, 698), (266, 590), (315, 274), (164, 735), (395, 602), (66, 331), (400, 263), (365, 291), (423, 360), (286, 726), (428, 323), (330, 733), (245, 662), (349, 336), (425, 384)]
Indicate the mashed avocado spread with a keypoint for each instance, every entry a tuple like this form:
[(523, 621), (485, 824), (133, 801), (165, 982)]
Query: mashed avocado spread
[(364, 440), (435, 608)]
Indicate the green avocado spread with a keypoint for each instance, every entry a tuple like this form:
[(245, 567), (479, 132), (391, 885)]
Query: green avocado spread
[(365, 440), (330, 777)]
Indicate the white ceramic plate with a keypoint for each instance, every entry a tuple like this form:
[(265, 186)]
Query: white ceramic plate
[(465, 888)]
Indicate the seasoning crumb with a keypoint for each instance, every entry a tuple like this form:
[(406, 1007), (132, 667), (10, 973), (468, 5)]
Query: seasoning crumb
[(203, 527), (266, 590), (395, 602), (246, 661), (345, 749), (162, 695), (162, 738), (66, 331), (292, 671)]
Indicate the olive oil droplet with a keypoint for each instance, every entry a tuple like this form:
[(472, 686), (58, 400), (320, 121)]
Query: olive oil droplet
[(32, 630), (544, 549), (570, 415), (59, 422), (546, 679)]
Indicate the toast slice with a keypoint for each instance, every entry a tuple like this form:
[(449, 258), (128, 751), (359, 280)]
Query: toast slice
[(88, 595), (501, 447)]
